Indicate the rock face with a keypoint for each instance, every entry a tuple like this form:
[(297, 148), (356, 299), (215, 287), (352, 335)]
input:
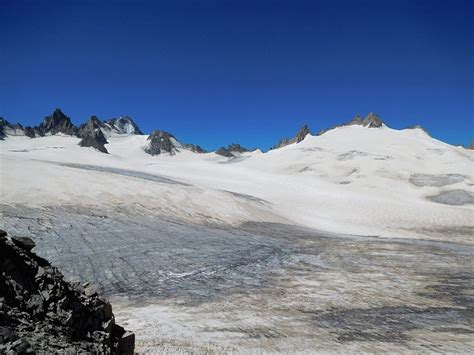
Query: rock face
[(93, 122), (372, 121), (194, 148), (9, 129), (123, 125), (232, 150), (357, 120), (300, 135), (42, 313), (58, 122), (224, 152), (471, 146), (234, 147), (92, 135), (3, 124), (161, 142)]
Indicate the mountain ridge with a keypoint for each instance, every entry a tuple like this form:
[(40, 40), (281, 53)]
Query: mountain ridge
[(59, 123)]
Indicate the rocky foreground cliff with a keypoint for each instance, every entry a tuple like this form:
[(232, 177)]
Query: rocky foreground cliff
[(42, 313)]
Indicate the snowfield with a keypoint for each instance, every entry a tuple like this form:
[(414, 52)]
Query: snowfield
[(358, 240), (351, 180)]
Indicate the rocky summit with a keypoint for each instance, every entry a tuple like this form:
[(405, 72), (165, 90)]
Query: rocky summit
[(58, 122), (160, 142), (123, 125), (372, 121), (300, 135), (41, 313), (92, 136), (237, 148)]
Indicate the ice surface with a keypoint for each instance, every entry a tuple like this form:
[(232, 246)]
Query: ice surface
[(454, 197), (261, 287), (436, 180)]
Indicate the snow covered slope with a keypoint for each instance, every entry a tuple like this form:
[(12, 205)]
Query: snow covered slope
[(352, 179)]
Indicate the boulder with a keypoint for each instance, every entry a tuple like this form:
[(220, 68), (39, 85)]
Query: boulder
[(24, 242)]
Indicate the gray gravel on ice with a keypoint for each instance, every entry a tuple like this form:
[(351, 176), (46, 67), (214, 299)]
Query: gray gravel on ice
[(301, 289)]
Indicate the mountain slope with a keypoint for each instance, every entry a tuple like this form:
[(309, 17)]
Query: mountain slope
[(352, 179)]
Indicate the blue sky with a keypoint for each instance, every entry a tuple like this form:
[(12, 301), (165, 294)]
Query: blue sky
[(216, 72)]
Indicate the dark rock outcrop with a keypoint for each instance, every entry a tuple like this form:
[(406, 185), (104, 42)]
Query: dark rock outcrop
[(300, 135), (93, 122), (194, 148), (7, 128), (160, 142), (29, 132), (123, 125), (42, 313), (92, 135), (3, 124), (232, 150), (471, 146), (234, 147), (372, 121), (224, 152), (56, 123), (357, 120)]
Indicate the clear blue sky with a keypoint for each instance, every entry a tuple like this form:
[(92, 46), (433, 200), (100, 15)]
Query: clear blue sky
[(216, 72)]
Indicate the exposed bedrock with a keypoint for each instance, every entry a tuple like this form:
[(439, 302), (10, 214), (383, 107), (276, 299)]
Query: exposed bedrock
[(42, 313)]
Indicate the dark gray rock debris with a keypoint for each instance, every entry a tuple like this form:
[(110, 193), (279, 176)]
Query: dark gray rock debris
[(41, 313)]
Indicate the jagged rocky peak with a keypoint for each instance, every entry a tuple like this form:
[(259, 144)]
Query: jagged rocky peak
[(58, 122), (471, 146), (160, 142), (92, 136), (93, 122), (372, 121), (124, 125), (357, 120), (300, 135)]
